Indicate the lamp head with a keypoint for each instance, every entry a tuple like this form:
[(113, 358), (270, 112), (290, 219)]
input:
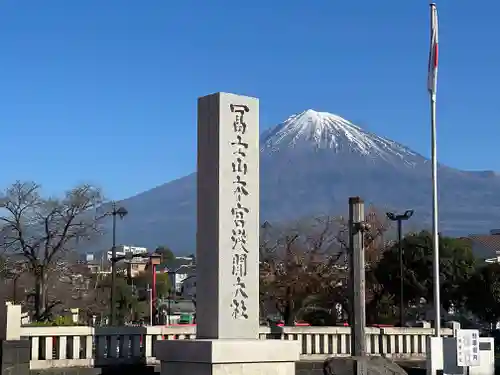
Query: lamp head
[(408, 214), (266, 225), (391, 216), (122, 212)]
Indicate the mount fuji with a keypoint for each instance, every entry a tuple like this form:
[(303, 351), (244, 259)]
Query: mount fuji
[(310, 164)]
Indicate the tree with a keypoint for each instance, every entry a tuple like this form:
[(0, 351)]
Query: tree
[(14, 280), (374, 244), (43, 231), (145, 278), (128, 303), (166, 254), (482, 291), (305, 268), (295, 264), (456, 267)]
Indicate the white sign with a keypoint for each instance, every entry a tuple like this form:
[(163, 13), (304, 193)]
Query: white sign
[(467, 347)]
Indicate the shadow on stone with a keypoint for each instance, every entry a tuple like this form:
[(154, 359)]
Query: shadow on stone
[(302, 368), (15, 357), (373, 365), (107, 370)]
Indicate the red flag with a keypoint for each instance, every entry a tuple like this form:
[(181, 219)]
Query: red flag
[(433, 53)]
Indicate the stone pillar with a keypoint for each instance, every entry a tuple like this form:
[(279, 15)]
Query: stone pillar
[(357, 279), (15, 353), (228, 218), (227, 251)]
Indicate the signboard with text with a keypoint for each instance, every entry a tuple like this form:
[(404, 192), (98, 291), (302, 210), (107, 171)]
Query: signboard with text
[(467, 347)]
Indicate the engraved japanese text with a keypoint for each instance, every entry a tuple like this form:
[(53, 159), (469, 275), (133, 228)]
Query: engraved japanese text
[(239, 211)]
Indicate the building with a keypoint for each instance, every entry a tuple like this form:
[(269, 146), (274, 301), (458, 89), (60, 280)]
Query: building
[(100, 262), (135, 266), (188, 288), (123, 250), (486, 246), (179, 270)]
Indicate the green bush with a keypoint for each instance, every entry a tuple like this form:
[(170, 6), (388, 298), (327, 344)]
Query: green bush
[(58, 321)]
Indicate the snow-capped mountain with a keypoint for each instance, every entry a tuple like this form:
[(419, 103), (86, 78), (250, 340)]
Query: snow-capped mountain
[(324, 130), (312, 131), (310, 164)]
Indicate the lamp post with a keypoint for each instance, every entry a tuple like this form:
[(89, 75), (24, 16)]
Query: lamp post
[(399, 219), (121, 212)]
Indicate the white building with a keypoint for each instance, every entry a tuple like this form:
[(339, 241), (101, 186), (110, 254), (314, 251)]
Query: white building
[(184, 274), (122, 250)]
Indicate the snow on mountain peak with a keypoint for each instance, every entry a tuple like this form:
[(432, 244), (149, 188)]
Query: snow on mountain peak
[(328, 131)]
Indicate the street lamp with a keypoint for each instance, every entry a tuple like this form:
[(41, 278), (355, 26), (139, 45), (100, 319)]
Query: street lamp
[(400, 218), (121, 212)]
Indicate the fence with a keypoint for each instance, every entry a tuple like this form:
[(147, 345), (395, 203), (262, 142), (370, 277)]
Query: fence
[(81, 346), (58, 347)]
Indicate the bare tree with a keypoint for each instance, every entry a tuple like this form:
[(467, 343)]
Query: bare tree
[(43, 231), (14, 280), (307, 265), (299, 263), (374, 245)]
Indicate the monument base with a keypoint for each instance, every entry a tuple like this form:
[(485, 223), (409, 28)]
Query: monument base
[(434, 349), (227, 357)]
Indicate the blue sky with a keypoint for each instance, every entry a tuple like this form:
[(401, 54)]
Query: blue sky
[(105, 91)]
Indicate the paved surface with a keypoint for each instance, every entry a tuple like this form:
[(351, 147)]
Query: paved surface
[(303, 368)]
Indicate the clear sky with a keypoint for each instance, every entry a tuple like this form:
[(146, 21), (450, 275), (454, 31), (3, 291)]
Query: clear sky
[(105, 91)]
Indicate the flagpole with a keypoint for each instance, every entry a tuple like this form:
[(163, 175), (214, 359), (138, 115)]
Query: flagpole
[(435, 216), (435, 230)]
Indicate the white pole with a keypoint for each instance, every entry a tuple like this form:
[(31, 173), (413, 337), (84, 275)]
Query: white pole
[(435, 231)]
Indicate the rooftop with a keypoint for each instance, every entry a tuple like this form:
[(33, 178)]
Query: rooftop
[(489, 245)]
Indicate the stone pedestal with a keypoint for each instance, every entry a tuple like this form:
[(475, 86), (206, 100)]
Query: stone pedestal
[(228, 357), (15, 357), (14, 352), (434, 362)]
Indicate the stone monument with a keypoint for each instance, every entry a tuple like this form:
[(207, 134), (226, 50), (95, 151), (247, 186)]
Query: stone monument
[(227, 251)]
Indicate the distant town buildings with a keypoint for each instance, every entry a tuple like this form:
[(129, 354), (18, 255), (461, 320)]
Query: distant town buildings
[(182, 269), (123, 250)]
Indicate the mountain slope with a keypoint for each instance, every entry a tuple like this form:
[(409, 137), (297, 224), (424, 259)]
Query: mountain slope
[(310, 164)]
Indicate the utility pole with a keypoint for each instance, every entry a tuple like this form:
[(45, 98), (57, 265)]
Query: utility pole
[(357, 227)]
